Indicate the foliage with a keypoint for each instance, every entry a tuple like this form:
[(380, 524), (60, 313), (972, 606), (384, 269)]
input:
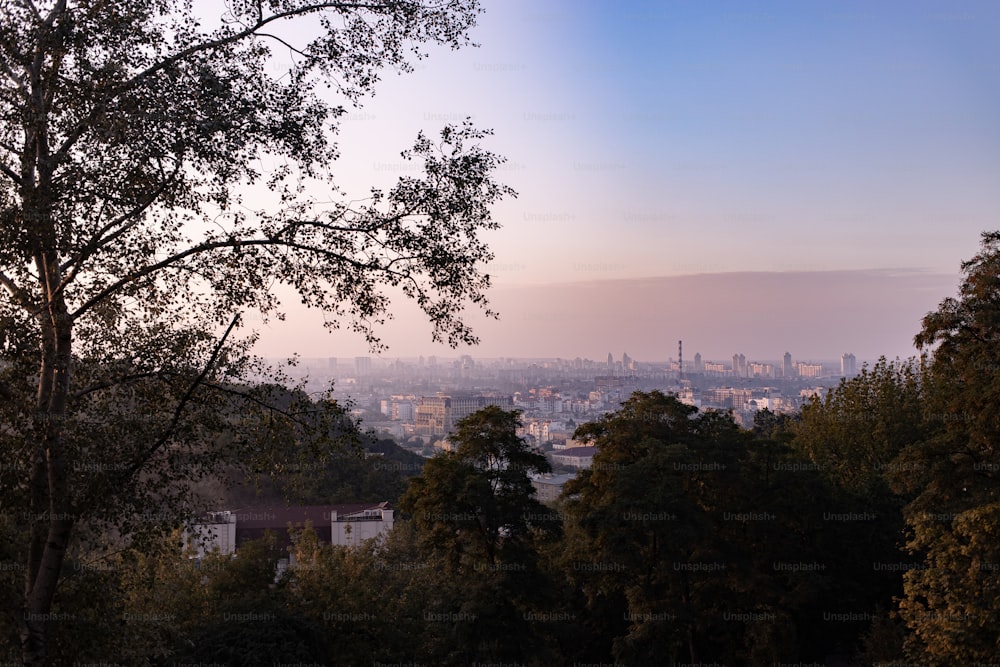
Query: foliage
[(855, 437), (478, 526), (951, 603), (858, 429), (710, 543), (159, 176)]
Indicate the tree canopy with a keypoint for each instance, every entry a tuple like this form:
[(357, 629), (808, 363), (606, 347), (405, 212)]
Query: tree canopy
[(952, 600), (159, 176)]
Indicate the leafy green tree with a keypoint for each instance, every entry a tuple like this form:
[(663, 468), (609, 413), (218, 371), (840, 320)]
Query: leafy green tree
[(478, 525), (774, 425), (173, 608), (951, 603), (131, 254), (691, 540), (858, 429), (383, 601), (855, 436), (476, 504), (852, 438), (635, 514)]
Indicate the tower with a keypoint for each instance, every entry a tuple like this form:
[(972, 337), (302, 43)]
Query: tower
[(848, 365), (739, 365), (680, 359)]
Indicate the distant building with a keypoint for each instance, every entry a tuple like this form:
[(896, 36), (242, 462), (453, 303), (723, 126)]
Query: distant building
[(739, 365), (782, 404), (432, 415), (397, 408), (549, 486), (818, 392), (569, 443), (786, 366), (809, 370), (437, 415), (402, 411), (698, 366), (463, 406), (363, 366), (214, 530), (730, 398), (687, 396), (341, 525), (577, 457), (352, 525), (848, 365)]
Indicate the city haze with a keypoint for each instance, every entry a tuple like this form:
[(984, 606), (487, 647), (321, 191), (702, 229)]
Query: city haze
[(814, 315)]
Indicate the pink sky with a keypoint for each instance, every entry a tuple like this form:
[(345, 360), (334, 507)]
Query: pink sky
[(814, 315), (788, 156)]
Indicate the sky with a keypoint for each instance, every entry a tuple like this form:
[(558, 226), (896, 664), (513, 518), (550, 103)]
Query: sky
[(750, 177)]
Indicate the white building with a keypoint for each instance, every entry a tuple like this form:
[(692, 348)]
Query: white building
[(351, 528), (576, 457), (340, 525), (215, 530), (549, 486)]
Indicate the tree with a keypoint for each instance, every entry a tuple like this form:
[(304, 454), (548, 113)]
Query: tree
[(131, 252), (638, 512), (477, 503), (854, 437), (856, 431), (479, 527), (692, 540), (951, 600)]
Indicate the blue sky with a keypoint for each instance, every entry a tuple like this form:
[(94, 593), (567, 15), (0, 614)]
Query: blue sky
[(662, 139)]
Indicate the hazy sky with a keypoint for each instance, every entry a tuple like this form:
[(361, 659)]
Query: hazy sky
[(823, 167)]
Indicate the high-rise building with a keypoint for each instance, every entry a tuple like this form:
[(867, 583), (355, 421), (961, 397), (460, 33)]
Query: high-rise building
[(698, 368), (436, 415), (626, 361), (739, 365), (809, 370), (786, 366), (726, 397), (363, 366), (848, 365)]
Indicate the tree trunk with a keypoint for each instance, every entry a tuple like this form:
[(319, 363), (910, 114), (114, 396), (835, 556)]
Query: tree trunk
[(52, 517)]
